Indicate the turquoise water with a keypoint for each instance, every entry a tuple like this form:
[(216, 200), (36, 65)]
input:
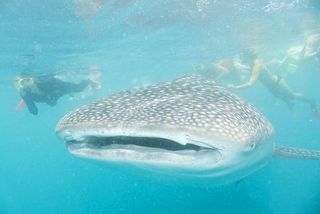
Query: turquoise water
[(136, 43)]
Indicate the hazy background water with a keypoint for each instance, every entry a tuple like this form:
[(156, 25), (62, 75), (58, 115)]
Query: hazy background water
[(136, 43)]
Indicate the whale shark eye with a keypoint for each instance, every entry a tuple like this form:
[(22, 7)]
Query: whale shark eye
[(252, 146)]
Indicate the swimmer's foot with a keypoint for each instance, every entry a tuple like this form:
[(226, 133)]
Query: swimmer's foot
[(21, 105), (95, 84), (95, 78), (316, 113)]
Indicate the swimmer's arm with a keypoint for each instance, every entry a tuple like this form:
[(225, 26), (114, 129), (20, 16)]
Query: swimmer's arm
[(222, 71), (308, 52), (256, 70), (31, 106), (240, 66)]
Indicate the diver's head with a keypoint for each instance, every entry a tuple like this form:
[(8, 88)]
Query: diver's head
[(24, 82)]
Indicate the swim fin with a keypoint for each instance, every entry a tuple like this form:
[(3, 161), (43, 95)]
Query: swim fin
[(316, 114), (20, 105)]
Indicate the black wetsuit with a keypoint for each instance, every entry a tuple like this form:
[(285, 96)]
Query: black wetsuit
[(48, 89)]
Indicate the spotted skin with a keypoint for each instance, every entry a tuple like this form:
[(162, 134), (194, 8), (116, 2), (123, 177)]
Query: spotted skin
[(190, 103)]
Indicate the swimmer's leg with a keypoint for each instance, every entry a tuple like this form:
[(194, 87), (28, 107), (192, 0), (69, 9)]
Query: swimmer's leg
[(77, 87), (62, 88), (289, 105), (315, 111), (31, 106), (51, 101), (303, 98), (288, 95)]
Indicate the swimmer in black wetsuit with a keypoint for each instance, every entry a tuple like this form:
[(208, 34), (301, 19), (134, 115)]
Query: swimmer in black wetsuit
[(45, 89)]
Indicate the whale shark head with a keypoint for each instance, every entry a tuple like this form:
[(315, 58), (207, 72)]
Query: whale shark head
[(190, 124)]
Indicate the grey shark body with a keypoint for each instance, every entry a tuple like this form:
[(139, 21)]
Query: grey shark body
[(190, 125)]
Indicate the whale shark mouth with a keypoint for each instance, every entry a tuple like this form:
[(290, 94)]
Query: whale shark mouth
[(154, 151), (146, 142)]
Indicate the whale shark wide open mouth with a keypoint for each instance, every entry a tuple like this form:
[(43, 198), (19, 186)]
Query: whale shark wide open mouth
[(146, 150), (146, 142)]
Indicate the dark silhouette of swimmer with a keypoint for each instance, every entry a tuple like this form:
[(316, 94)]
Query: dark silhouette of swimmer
[(45, 89)]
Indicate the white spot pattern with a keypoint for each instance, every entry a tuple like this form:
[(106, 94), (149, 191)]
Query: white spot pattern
[(191, 103)]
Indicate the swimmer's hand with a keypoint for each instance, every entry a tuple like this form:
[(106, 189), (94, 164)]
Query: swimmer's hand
[(316, 113), (242, 86), (232, 86)]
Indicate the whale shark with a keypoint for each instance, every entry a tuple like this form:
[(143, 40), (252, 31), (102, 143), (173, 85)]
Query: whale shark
[(191, 126)]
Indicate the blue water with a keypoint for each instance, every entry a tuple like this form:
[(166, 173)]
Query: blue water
[(136, 43)]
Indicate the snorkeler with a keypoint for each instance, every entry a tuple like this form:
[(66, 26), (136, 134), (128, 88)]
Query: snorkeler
[(274, 83), (45, 89), (225, 69), (301, 53), (312, 46)]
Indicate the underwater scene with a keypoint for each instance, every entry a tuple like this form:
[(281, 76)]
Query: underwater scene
[(164, 106)]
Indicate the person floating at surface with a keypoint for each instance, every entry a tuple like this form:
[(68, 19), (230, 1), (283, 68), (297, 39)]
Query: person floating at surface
[(298, 55), (303, 53), (45, 89), (274, 83), (224, 70), (312, 47)]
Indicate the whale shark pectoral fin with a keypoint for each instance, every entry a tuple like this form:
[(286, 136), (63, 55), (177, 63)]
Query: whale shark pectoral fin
[(297, 153)]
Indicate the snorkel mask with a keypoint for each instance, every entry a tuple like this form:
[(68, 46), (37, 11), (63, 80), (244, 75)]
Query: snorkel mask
[(24, 82)]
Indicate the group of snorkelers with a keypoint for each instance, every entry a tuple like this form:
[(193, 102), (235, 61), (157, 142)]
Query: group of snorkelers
[(247, 68), (243, 71)]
